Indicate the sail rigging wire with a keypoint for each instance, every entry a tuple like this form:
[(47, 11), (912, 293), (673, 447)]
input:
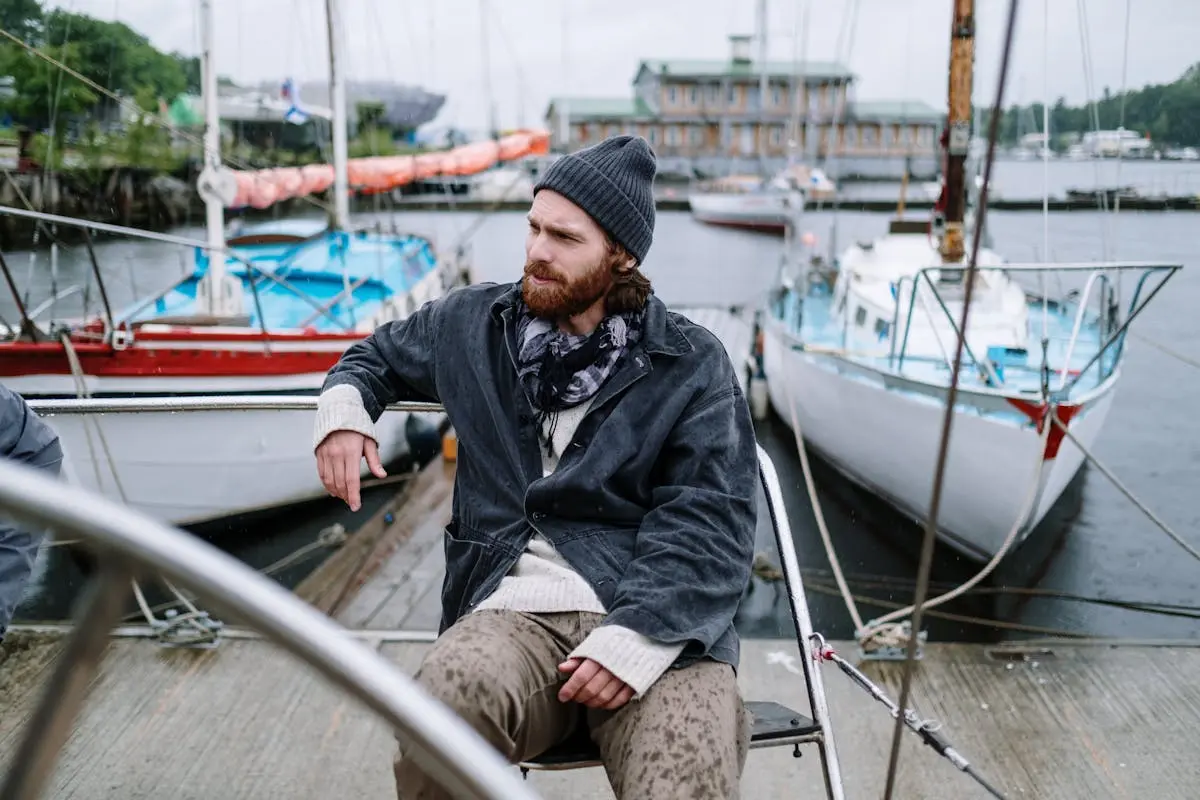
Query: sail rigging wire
[(923, 572)]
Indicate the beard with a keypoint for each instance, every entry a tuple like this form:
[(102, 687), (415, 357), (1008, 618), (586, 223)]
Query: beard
[(565, 297)]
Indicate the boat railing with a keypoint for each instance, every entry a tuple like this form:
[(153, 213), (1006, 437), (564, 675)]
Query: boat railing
[(129, 543), (166, 238), (1114, 342)]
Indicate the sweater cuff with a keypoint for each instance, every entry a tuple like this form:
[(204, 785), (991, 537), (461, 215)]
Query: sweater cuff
[(340, 408), (635, 659)]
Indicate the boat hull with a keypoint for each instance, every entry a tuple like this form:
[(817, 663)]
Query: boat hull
[(882, 431), (767, 213), (190, 466)]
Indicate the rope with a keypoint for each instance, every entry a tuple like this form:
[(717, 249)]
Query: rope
[(1179, 540), (1026, 509), (194, 628), (926, 563), (1191, 362)]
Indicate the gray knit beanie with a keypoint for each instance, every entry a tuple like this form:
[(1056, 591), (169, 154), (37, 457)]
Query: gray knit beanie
[(613, 182)]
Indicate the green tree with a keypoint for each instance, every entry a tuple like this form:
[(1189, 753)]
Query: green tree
[(21, 18), (38, 95)]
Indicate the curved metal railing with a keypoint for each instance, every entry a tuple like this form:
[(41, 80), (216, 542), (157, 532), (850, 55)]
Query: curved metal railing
[(126, 543)]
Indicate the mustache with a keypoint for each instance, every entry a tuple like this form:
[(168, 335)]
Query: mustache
[(541, 270)]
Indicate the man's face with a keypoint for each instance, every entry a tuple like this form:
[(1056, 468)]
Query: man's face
[(568, 263)]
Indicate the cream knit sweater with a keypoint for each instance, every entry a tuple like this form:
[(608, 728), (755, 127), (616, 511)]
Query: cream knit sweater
[(541, 582)]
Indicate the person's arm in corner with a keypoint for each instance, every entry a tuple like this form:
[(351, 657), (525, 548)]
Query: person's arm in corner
[(394, 363), (26, 438), (694, 549)]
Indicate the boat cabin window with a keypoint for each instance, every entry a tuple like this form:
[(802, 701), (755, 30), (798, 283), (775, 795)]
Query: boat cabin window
[(860, 316), (881, 328)]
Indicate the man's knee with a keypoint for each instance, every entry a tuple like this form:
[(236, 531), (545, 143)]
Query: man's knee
[(458, 673)]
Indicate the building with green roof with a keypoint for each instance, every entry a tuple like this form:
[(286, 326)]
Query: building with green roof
[(713, 111)]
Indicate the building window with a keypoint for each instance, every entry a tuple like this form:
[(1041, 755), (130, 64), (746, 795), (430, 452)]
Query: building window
[(850, 136), (714, 95), (870, 135), (652, 134), (731, 95), (693, 96), (672, 96), (696, 135), (673, 137), (776, 135), (612, 130), (906, 137), (889, 135), (924, 136), (777, 96)]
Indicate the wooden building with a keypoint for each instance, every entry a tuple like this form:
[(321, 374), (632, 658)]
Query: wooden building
[(715, 110)]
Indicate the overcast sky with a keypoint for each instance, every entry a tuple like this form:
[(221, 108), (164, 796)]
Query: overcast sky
[(542, 48)]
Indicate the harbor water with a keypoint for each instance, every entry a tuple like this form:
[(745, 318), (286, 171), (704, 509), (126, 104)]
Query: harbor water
[(1098, 544)]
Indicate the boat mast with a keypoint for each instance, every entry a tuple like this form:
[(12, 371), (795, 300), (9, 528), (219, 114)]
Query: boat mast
[(764, 85), (337, 99), (214, 212), (958, 126)]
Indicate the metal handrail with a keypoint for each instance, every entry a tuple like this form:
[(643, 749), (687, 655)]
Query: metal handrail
[(126, 542), (1147, 267), (248, 402), (798, 602)]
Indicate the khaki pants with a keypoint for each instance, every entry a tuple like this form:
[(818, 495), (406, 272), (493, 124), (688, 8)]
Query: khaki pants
[(686, 738)]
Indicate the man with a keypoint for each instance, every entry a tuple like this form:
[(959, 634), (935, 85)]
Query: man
[(604, 512), (24, 437)]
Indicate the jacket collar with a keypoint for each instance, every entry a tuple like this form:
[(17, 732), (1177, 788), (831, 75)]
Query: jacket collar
[(660, 333)]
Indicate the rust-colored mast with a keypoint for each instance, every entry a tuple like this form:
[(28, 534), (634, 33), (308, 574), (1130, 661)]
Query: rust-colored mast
[(958, 125)]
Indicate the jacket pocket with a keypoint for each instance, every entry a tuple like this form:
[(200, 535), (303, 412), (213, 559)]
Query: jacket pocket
[(470, 560)]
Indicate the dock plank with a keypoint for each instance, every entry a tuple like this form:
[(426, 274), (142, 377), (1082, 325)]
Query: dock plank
[(246, 720)]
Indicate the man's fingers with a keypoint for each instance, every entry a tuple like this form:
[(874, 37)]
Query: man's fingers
[(623, 697), (607, 693), (352, 467), (591, 691), (337, 465), (372, 452), (323, 471), (579, 678)]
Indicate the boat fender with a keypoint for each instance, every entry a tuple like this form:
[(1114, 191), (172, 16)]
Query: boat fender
[(758, 397)]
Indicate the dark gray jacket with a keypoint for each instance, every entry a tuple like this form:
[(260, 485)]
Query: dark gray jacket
[(26, 438), (653, 502)]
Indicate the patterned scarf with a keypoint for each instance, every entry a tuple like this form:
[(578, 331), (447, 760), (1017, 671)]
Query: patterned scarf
[(559, 370)]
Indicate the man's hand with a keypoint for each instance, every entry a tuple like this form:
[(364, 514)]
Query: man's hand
[(593, 685), (339, 461)]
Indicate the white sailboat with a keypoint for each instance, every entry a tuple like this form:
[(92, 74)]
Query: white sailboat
[(860, 360), (764, 202), (120, 429)]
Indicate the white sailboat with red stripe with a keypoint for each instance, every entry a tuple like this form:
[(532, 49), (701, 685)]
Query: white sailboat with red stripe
[(269, 311)]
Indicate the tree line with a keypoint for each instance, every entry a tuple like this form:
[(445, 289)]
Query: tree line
[(1169, 113), (111, 54)]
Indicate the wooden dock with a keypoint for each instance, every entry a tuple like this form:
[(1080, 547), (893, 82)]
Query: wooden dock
[(247, 721)]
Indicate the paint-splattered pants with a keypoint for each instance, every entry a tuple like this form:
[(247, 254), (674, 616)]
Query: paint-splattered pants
[(686, 738)]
